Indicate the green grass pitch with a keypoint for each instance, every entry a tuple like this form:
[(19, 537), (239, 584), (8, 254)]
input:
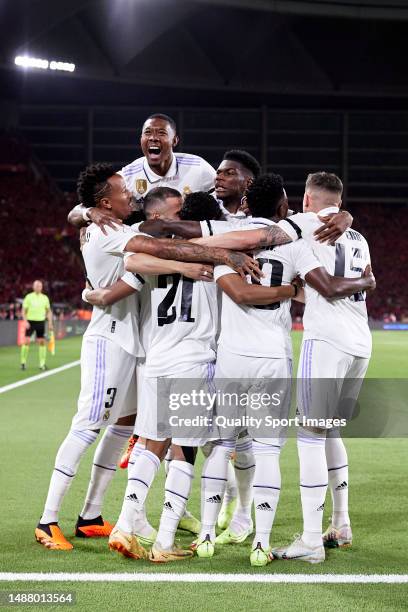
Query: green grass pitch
[(35, 419)]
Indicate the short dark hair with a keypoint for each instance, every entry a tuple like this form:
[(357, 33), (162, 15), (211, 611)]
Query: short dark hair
[(246, 160), (264, 194), (200, 206), (164, 117), (92, 183), (325, 180), (159, 194)]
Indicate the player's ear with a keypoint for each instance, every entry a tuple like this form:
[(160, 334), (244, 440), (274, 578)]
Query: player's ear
[(340, 203), (176, 140), (105, 203)]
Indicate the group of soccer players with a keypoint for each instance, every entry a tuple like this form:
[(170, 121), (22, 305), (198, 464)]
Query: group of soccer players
[(178, 304)]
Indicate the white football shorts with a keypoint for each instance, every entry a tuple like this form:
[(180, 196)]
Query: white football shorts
[(154, 411), (328, 381), (108, 384)]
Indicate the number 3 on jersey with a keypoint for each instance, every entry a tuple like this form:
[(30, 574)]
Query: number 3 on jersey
[(164, 317)]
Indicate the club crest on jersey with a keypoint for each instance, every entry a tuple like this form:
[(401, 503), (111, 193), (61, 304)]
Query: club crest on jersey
[(186, 189), (106, 415), (140, 186)]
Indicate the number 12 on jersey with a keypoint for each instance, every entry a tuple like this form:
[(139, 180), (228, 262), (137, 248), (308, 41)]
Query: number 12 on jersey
[(164, 317)]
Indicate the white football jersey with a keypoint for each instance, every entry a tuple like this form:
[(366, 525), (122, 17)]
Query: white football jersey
[(179, 319), (344, 322), (187, 173), (103, 257), (264, 331)]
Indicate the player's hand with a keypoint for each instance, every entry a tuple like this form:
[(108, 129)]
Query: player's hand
[(371, 282), (243, 264), (101, 219), (298, 282), (198, 271), (27, 325), (334, 226)]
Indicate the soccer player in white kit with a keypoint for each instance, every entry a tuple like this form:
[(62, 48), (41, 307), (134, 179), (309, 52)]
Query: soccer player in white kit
[(160, 166), (102, 398), (337, 346), (179, 319), (255, 343)]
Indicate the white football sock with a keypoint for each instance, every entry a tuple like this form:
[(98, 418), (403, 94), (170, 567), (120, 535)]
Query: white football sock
[(267, 485), (140, 477), (337, 466), (213, 483), (67, 461), (177, 491), (141, 526), (104, 466), (231, 491), (313, 484), (167, 460), (244, 466)]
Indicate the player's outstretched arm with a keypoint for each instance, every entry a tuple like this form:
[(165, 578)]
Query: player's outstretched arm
[(106, 296), (150, 265), (242, 292), (334, 227), (187, 251), (80, 216), (247, 240), (335, 287), (162, 227)]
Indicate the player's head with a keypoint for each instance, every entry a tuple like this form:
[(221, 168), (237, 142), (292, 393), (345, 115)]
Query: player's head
[(266, 197), (99, 185), (163, 203), (200, 206), (158, 138), (37, 286), (235, 173), (322, 189)]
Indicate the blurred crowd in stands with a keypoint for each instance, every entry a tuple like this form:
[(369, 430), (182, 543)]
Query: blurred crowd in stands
[(37, 242)]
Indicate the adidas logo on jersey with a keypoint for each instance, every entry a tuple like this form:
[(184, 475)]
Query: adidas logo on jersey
[(215, 499), (132, 497), (320, 507), (168, 506), (342, 485), (264, 506)]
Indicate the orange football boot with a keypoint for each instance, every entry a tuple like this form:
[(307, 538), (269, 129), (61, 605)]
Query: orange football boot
[(51, 536), (92, 528), (124, 460)]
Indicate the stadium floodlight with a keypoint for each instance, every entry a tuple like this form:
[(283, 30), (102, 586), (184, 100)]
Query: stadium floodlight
[(25, 61)]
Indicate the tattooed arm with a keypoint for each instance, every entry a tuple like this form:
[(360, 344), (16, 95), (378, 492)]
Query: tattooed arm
[(249, 240), (187, 251), (162, 227)]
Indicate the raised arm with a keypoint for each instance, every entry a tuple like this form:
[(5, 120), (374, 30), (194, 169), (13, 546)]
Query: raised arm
[(247, 240), (242, 292), (148, 264), (187, 251), (162, 227), (80, 216), (335, 287), (334, 226)]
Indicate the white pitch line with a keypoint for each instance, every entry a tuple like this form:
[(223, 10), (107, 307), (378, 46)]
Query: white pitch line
[(31, 379), (231, 578)]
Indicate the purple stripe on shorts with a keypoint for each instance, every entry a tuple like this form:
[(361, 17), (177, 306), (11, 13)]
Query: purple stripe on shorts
[(309, 376), (96, 374), (100, 394)]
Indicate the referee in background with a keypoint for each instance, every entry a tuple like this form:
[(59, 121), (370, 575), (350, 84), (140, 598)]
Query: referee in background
[(36, 309)]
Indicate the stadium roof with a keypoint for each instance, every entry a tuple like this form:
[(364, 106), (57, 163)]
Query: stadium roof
[(342, 47)]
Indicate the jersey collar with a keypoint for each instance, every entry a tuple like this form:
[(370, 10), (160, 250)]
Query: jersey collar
[(238, 215), (328, 211), (152, 177)]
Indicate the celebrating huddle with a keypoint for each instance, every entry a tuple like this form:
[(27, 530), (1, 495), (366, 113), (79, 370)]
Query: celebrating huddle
[(179, 307)]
